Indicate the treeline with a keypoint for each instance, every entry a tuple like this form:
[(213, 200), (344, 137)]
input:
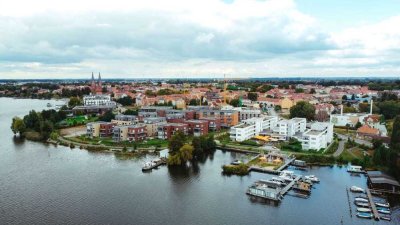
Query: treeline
[(181, 152), (37, 126)]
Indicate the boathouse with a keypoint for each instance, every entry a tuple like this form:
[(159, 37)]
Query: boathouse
[(382, 182)]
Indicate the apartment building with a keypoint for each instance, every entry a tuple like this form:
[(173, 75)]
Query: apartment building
[(98, 100), (197, 127), (319, 136), (125, 120), (288, 128), (136, 132), (227, 118), (99, 129), (152, 125), (251, 127), (245, 114), (165, 131)]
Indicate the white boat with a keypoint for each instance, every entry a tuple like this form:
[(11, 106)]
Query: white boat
[(386, 205), (312, 178), (278, 180), (148, 165), (364, 215), (363, 209), (358, 199), (356, 189), (355, 169), (362, 204), (383, 210), (287, 175)]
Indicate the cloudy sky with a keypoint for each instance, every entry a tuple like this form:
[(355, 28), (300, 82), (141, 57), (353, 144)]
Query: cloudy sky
[(207, 38)]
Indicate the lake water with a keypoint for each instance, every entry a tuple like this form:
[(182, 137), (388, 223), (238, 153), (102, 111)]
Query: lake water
[(43, 184)]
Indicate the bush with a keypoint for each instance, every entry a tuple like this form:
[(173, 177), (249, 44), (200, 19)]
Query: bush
[(241, 169)]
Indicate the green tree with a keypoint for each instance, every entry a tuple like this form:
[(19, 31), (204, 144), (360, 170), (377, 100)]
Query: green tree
[(186, 153), (395, 139), (312, 91), (252, 96), (107, 116), (197, 149), (299, 90), (126, 101), (234, 102), (18, 126), (176, 142), (74, 101), (303, 110)]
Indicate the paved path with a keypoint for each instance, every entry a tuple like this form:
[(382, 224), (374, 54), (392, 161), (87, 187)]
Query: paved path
[(340, 148), (358, 141)]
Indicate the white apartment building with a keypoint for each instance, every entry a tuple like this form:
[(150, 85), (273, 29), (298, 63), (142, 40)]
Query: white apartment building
[(252, 127), (98, 100), (288, 128), (319, 136)]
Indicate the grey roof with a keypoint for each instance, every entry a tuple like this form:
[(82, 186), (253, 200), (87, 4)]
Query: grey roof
[(377, 177)]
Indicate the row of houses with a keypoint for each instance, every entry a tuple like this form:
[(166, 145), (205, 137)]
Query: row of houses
[(315, 136)]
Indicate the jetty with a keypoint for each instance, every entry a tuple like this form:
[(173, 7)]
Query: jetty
[(372, 203), (154, 164), (290, 185), (287, 163)]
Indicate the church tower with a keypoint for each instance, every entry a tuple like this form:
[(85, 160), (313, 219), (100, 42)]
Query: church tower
[(93, 85)]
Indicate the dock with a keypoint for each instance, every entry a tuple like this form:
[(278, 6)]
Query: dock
[(290, 185), (372, 203), (263, 170), (154, 164), (287, 163)]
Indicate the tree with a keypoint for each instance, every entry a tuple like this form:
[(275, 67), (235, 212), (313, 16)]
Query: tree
[(322, 116), (197, 149), (344, 97), (194, 102), (395, 139), (126, 101), (303, 110), (186, 153), (358, 125), (252, 96), (107, 116), (234, 102), (312, 91), (176, 142), (277, 108), (74, 101), (18, 126), (131, 112)]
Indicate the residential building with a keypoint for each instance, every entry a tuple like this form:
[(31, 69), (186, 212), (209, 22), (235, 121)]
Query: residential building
[(98, 100), (319, 136), (197, 127), (251, 127), (99, 129), (165, 131)]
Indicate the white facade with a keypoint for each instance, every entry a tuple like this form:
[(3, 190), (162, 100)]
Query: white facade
[(252, 127), (290, 127), (319, 136), (97, 100)]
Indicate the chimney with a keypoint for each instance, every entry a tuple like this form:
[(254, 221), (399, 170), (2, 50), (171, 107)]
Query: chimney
[(372, 104), (341, 110)]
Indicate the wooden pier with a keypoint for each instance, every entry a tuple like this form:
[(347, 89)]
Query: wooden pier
[(263, 170), (290, 185), (284, 166), (372, 203)]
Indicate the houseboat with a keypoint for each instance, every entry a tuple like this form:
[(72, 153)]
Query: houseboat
[(355, 169), (265, 189)]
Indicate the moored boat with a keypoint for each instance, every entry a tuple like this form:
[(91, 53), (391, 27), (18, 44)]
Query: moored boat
[(386, 205), (387, 218), (355, 169), (312, 178), (356, 189), (359, 199), (364, 215), (383, 210), (361, 204), (363, 210)]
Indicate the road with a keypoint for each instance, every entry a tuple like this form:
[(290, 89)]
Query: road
[(357, 140), (340, 148)]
